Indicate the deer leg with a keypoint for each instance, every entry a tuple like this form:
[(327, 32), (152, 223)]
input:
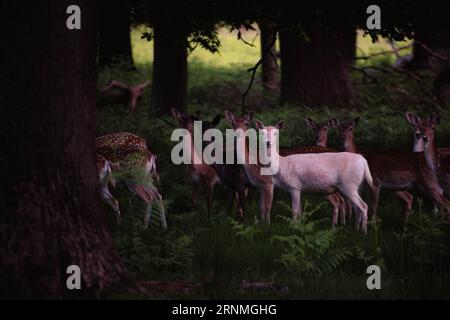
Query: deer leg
[(342, 207), (335, 205), (148, 216), (436, 194), (349, 209), (262, 203), (112, 202), (241, 195), (375, 197), (351, 193), (296, 204), (268, 201), (163, 214), (230, 200), (408, 199)]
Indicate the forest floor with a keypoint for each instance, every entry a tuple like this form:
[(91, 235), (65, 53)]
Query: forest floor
[(288, 260)]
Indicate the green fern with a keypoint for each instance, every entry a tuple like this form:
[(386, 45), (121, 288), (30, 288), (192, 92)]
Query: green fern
[(309, 250)]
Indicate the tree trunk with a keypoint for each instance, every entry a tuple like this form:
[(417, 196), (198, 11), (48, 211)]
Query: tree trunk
[(114, 32), (50, 215), (169, 67), (350, 39), (315, 73), (269, 66)]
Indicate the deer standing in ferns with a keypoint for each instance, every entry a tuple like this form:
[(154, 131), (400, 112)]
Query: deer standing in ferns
[(323, 173), (127, 154), (424, 141), (200, 173), (395, 171)]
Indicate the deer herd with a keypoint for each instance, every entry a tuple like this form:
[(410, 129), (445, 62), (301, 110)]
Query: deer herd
[(339, 176)]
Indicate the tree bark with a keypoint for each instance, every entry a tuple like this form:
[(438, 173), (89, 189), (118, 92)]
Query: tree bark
[(169, 67), (316, 73), (350, 39), (114, 32), (51, 215), (269, 65)]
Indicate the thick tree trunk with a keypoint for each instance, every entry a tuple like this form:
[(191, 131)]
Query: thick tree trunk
[(169, 68), (350, 39), (114, 32), (315, 73), (50, 216), (269, 68)]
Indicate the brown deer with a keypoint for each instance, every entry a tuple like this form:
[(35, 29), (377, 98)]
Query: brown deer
[(424, 141), (201, 174), (395, 171), (320, 131), (127, 155), (117, 92)]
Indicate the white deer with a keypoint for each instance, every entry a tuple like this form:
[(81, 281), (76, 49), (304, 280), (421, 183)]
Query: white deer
[(321, 173)]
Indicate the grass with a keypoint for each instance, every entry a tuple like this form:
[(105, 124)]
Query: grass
[(304, 260)]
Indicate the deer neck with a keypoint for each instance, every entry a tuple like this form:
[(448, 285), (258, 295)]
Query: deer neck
[(196, 158), (350, 146), (323, 143), (430, 153), (251, 164)]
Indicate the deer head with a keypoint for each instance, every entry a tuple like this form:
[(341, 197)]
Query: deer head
[(119, 92), (424, 129), (136, 92), (269, 133), (320, 131), (239, 122), (187, 121), (346, 132)]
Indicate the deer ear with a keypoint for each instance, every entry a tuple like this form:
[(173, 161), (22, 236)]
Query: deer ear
[(175, 113), (435, 118), (333, 122), (229, 116), (355, 122), (259, 124), (310, 123), (412, 118), (216, 120), (280, 125)]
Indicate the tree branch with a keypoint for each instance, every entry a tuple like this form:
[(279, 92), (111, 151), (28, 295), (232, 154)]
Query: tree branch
[(255, 68)]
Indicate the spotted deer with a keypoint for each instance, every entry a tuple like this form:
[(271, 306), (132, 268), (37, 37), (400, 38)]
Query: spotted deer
[(200, 173), (127, 155), (118, 92), (395, 171), (424, 141), (315, 173)]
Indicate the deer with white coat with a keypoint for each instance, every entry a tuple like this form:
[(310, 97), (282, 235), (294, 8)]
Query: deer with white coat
[(323, 173)]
